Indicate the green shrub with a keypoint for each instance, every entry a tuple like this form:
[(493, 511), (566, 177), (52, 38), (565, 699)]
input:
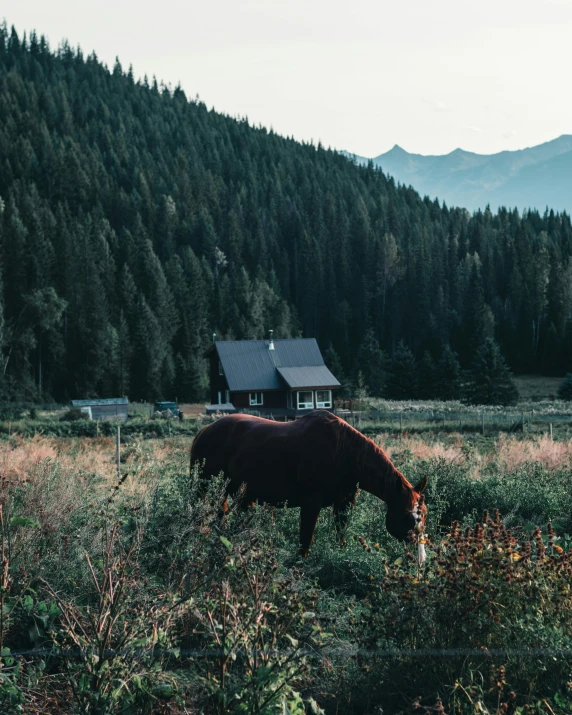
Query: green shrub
[(7, 412), (489, 615), (73, 414), (116, 645), (263, 632), (529, 494)]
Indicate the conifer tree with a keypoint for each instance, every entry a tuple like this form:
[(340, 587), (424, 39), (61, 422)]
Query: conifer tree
[(427, 389), (448, 375), (371, 361), (334, 364), (403, 380), (489, 379)]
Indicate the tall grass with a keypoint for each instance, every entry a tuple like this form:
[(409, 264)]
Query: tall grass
[(136, 596)]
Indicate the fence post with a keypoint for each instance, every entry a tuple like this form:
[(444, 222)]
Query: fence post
[(523, 422), (551, 437), (118, 452)]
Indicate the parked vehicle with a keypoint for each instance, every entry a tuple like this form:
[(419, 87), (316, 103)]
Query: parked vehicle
[(167, 410)]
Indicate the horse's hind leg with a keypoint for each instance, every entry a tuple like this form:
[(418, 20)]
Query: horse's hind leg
[(309, 513)]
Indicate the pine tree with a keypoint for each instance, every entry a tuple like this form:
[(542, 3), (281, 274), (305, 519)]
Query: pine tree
[(371, 361), (448, 375), (489, 379), (427, 389), (334, 364), (403, 381)]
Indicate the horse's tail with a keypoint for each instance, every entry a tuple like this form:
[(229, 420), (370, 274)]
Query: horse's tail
[(195, 449)]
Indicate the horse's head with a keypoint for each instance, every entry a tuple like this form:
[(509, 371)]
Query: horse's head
[(405, 513)]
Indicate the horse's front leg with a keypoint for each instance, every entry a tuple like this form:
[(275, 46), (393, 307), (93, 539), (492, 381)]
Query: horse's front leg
[(309, 512), (342, 509)]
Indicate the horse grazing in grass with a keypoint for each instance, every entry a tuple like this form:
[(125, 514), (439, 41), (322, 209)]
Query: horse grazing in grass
[(317, 461)]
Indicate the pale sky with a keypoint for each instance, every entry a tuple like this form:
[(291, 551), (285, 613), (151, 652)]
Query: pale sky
[(360, 75)]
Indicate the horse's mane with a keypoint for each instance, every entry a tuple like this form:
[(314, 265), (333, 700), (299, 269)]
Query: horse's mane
[(365, 454)]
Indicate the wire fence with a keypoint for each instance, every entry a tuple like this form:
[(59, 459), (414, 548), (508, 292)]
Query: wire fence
[(403, 421), (360, 652)]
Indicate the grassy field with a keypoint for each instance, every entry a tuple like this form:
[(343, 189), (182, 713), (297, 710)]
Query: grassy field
[(534, 387), (132, 596)]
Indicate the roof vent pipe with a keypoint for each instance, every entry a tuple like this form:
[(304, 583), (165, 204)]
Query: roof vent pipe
[(214, 337), (271, 342)]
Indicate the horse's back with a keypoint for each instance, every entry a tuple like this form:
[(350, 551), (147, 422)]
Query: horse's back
[(269, 457)]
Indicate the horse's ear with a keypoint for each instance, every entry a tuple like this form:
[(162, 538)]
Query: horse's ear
[(420, 488)]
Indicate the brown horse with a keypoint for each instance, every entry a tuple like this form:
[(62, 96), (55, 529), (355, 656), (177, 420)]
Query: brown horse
[(318, 460)]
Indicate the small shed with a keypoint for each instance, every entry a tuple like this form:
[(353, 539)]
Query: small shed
[(105, 409)]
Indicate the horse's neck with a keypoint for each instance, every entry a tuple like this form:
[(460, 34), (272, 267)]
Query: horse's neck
[(377, 474)]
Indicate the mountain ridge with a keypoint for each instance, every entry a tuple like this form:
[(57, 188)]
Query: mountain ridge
[(473, 181)]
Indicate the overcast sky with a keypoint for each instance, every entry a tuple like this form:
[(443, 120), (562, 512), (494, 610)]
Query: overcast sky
[(360, 75)]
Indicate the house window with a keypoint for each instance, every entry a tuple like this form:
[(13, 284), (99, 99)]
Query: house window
[(256, 398), (323, 398), (305, 400), (227, 396), (220, 370), (220, 398)]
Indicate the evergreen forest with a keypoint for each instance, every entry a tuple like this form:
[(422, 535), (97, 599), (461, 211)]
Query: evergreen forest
[(135, 223)]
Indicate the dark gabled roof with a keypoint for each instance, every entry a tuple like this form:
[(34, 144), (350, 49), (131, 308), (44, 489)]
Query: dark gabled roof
[(250, 365), (100, 403), (309, 376)]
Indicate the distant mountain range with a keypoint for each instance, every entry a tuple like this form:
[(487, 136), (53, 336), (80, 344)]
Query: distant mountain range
[(536, 177)]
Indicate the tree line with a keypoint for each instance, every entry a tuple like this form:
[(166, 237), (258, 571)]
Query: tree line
[(135, 222)]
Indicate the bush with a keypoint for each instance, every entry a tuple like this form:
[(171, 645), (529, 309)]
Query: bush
[(489, 608), (8, 412), (263, 627), (73, 414)]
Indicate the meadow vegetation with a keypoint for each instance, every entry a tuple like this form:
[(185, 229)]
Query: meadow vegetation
[(134, 596)]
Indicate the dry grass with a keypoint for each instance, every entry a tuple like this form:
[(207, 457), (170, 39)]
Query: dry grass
[(513, 453), (90, 460), (20, 455), (507, 453)]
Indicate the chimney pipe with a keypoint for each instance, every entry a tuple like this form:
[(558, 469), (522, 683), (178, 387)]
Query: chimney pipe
[(214, 337), (271, 342)]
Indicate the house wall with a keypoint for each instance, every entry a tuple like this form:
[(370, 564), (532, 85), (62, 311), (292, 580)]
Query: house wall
[(217, 382), (273, 398), (109, 412)]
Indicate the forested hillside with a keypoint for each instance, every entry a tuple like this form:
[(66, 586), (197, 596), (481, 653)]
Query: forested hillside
[(135, 223)]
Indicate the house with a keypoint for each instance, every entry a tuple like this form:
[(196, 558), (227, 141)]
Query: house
[(282, 378), (106, 409)]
